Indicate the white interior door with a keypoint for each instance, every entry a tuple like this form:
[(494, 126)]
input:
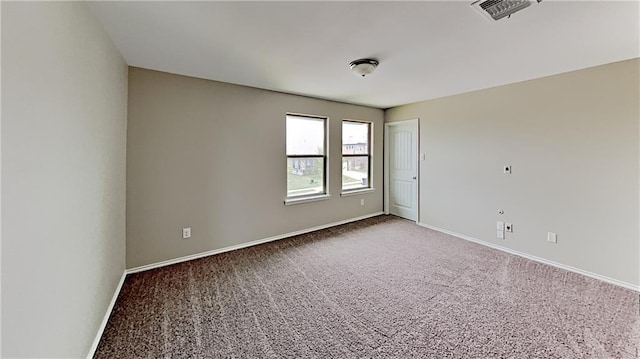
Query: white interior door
[(402, 165)]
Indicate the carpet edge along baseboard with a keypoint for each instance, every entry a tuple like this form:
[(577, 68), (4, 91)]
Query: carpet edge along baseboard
[(600, 277)]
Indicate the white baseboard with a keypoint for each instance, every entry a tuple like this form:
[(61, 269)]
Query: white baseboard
[(534, 258), (103, 325), (244, 245)]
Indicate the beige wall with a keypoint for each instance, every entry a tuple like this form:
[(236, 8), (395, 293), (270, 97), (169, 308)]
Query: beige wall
[(64, 93), (211, 156), (572, 140)]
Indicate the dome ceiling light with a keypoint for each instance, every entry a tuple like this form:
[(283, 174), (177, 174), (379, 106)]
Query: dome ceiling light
[(363, 67)]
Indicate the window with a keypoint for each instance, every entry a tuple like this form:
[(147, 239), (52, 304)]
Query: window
[(356, 155), (306, 156)]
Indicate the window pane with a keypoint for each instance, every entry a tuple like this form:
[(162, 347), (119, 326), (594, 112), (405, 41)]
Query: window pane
[(305, 176), (355, 172), (355, 137), (305, 135)]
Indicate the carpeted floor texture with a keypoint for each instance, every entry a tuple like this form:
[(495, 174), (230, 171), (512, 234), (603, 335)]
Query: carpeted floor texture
[(378, 288)]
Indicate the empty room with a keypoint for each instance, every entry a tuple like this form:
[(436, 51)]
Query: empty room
[(311, 179)]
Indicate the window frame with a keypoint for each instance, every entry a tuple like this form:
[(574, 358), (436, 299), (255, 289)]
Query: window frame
[(303, 198), (369, 155)]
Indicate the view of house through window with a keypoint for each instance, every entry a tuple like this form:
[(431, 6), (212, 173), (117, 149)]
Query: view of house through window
[(356, 155), (306, 155)]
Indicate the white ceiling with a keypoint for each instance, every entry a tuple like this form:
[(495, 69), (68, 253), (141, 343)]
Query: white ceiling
[(426, 49)]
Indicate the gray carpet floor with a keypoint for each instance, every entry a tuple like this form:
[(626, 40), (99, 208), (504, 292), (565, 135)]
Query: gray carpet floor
[(378, 288)]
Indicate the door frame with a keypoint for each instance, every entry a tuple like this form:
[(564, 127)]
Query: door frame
[(416, 124)]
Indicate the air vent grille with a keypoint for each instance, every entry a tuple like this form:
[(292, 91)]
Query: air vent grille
[(497, 9)]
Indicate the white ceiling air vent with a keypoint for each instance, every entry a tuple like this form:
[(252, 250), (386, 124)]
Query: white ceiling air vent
[(497, 9)]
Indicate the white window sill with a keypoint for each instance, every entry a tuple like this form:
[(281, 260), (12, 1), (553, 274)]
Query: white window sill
[(292, 201), (356, 192)]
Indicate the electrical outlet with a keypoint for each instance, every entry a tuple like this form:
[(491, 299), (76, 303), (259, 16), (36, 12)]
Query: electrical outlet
[(500, 234), (552, 237), (186, 233), (362, 202), (508, 227), (507, 169)]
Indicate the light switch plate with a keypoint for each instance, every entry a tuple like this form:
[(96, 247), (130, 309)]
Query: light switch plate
[(500, 225), (500, 234), (552, 237)]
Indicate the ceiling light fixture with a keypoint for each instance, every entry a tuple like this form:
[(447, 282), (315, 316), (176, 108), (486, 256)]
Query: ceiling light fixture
[(363, 67)]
